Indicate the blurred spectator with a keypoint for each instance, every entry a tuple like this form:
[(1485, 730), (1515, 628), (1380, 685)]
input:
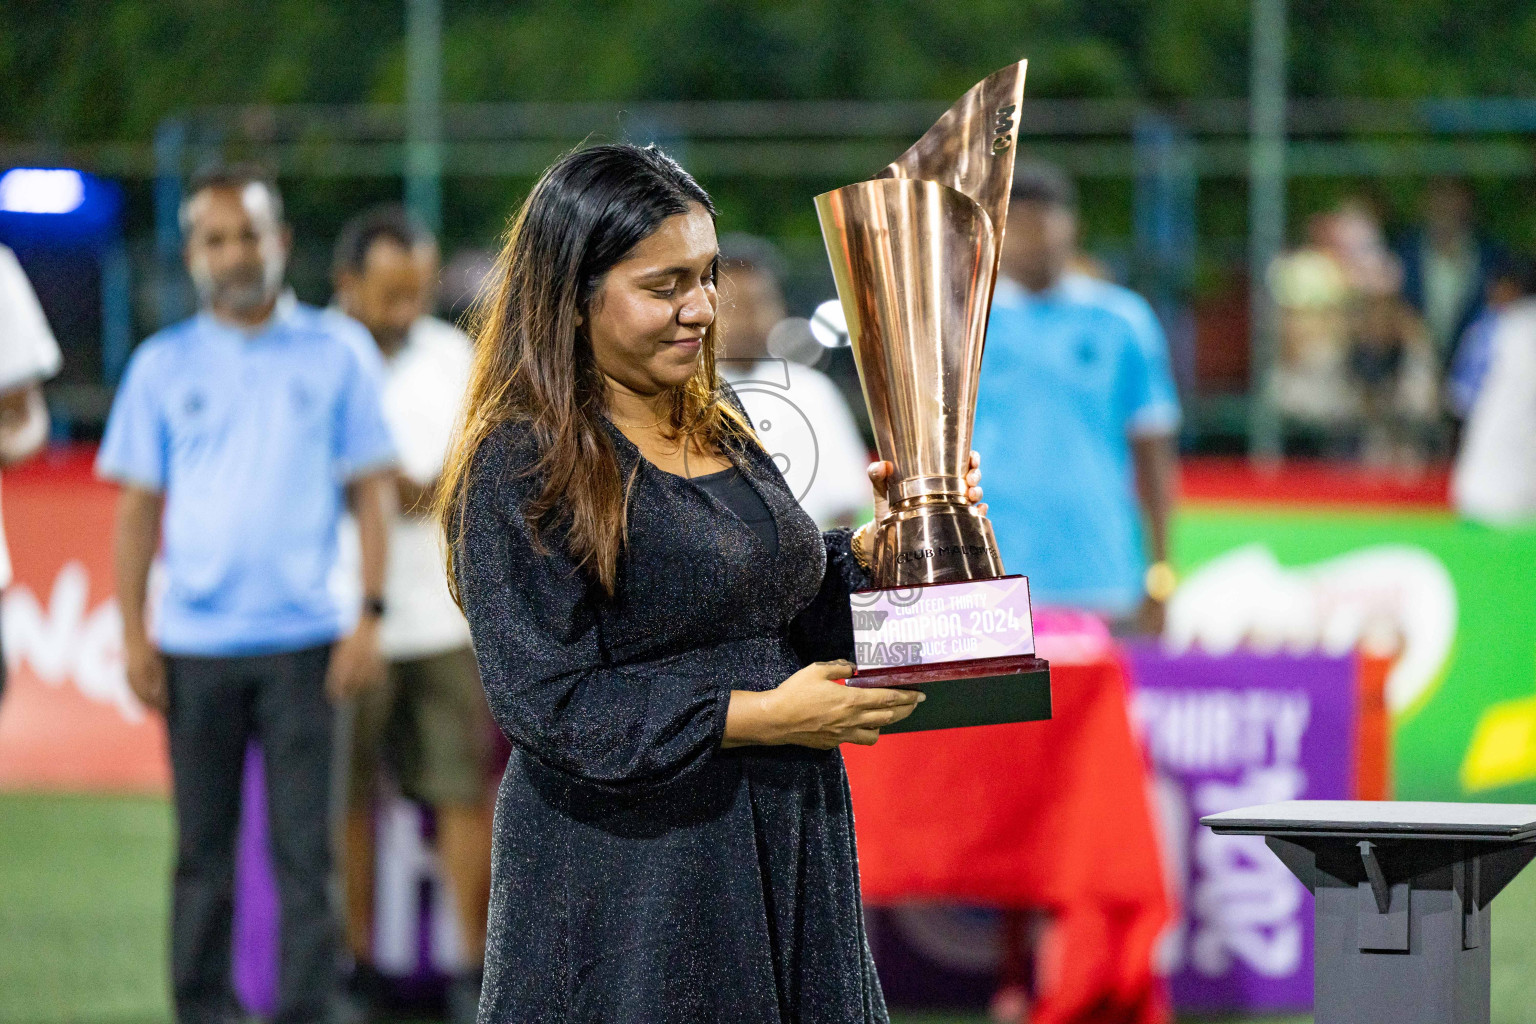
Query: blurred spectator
[(28, 356), (1077, 418), (1310, 285), (1391, 362), (1078, 408), (1510, 280), (1393, 367), (1356, 367), (240, 431), (1495, 475), (1446, 265), (429, 720), (798, 412)]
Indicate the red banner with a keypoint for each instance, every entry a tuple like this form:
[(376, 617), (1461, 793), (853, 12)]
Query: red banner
[(1233, 481), (67, 718)]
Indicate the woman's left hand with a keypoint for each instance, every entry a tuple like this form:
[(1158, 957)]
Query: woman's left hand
[(880, 474)]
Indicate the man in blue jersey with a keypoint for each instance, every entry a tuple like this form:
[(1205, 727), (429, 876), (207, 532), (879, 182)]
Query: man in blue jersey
[(238, 438), (1078, 416)]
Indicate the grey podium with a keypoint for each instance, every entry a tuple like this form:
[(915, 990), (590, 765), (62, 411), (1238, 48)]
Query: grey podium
[(1402, 892)]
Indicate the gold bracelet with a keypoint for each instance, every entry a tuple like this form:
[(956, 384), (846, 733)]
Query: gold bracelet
[(855, 545)]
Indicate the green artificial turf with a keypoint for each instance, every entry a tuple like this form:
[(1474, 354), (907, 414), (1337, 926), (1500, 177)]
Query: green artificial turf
[(84, 883), (83, 889)]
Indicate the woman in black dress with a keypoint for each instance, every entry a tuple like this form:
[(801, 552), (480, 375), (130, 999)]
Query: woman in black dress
[(660, 628)]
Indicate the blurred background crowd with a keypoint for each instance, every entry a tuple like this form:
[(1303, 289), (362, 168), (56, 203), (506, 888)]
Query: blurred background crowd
[(1405, 217), (1301, 237)]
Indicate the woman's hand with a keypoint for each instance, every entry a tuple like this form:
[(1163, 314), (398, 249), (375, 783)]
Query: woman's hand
[(810, 709), (880, 475)]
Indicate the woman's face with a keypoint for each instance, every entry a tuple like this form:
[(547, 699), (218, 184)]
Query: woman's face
[(648, 317)]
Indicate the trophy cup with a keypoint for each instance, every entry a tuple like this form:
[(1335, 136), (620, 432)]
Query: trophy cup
[(915, 253)]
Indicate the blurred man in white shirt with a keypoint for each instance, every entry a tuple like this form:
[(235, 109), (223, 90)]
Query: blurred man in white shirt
[(1495, 476), (428, 720), (797, 411), (28, 356)]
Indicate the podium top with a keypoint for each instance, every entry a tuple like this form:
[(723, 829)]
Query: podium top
[(1405, 819)]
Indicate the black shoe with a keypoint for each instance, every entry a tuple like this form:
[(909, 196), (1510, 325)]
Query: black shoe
[(464, 997), (362, 995)]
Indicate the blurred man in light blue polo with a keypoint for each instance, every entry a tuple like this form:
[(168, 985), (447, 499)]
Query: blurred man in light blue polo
[(238, 436), (1078, 411), (1077, 415)]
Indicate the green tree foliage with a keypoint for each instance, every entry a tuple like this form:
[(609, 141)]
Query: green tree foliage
[(83, 73), (81, 70)]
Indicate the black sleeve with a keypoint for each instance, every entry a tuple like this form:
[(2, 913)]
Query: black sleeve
[(823, 631), (548, 678)]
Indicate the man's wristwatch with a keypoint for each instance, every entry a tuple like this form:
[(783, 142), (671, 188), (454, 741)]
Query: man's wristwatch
[(1161, 581), (373, 607)]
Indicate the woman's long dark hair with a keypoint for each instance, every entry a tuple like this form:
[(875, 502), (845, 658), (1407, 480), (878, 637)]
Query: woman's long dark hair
[(534, 364)]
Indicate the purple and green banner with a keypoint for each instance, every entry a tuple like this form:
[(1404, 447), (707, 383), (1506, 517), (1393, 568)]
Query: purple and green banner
[(1228, 732), (1452, 603)]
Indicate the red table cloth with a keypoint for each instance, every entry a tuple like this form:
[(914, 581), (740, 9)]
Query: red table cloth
[(1050, 815)]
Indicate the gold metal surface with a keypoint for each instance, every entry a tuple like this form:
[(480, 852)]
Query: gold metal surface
[(914, 252), (971, 148)]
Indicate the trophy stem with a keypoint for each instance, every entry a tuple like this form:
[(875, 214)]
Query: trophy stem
[(932, 540)]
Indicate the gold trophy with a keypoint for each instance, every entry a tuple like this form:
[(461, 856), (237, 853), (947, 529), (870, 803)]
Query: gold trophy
[(915, 252)]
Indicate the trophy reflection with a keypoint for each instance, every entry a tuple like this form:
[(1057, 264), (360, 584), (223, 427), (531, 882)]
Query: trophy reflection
[(915, 253)]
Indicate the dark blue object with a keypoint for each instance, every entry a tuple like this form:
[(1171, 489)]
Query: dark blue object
[(65, 226)]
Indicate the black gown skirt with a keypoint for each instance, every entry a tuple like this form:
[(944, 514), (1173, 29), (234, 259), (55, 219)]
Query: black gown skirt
[(641, 873)]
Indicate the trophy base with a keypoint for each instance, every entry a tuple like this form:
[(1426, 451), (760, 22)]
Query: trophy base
[(987, 691), (935, 543)]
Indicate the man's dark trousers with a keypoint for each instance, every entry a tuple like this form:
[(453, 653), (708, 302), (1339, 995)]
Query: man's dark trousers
[(215, 707)]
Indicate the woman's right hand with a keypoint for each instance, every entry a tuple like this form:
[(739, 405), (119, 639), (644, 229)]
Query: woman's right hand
[(812, 709)]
